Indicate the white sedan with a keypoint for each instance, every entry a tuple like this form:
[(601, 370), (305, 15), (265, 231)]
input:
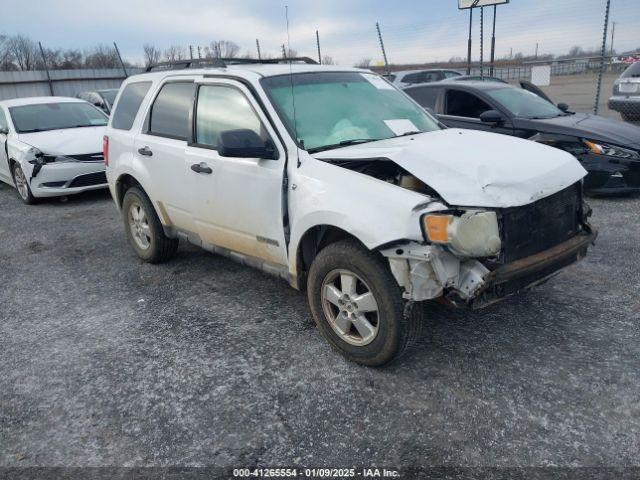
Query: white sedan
[(51, 146)]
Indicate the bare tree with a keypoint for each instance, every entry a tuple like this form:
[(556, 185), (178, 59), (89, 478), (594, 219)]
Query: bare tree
[(152, 54), (71, 59), (175, 52), (101, 56), (328, 60), (24, 52), (363, 63), (222, 49)]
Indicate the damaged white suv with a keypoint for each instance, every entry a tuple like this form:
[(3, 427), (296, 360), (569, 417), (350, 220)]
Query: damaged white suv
[(51, 146), (339, 183)]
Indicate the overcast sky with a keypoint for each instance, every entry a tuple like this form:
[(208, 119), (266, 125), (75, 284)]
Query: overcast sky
[(413, 30)]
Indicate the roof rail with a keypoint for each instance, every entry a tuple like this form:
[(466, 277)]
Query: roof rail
[(224, 62)]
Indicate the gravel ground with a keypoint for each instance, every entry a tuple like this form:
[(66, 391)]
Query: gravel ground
[(105, 361)]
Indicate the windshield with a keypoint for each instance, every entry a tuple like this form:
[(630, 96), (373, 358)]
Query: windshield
[(54, 116), (632, 71), (524, 104), (339, 108), (109, 95)]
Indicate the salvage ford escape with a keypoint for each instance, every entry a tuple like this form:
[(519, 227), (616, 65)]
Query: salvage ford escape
[(51, 146), (339, 183)]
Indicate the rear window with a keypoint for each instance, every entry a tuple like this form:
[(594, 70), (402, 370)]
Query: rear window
[(425, 96), (55, 116), (170, 111), (128, 106), (632, 71)]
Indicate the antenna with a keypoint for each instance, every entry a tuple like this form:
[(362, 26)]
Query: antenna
[(293, 95)]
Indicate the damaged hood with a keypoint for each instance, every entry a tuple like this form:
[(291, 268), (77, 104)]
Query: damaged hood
[(68, 141), (473, 168)]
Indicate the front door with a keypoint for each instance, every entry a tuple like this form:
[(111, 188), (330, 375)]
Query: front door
[(237, 203), (462, 109)]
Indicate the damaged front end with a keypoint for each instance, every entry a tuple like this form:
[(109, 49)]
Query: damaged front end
[(477, 257)]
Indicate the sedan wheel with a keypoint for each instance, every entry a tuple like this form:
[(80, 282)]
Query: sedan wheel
[(22, 185)]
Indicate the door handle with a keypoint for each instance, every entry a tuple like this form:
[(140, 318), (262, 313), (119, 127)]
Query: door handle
[(146, 151), (201, 168)]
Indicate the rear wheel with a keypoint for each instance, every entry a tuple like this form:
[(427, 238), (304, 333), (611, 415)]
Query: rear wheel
[(357, 304), (22, 184), (144, 229)]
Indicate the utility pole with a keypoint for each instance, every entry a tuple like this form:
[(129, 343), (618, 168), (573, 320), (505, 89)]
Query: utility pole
[(469, 42), (613, 35), (191, 52), (384, 52), (318, 45), (537, 45), (46, 69), (258, 48), (493, 42), (120, 58), (602, 55), (284, 51)]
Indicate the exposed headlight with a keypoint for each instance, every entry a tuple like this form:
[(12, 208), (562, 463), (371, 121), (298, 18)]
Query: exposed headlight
[(475, 233), (611, 150)]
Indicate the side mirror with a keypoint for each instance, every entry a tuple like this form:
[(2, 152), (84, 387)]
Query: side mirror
[(245, 143), (563, 106), (492, 117)]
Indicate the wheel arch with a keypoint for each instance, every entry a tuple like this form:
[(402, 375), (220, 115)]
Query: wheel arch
[(311, 242)]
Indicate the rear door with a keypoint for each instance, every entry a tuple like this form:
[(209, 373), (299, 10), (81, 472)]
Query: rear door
[(462, 109), (4, 160), (160, 148), (237, 203)]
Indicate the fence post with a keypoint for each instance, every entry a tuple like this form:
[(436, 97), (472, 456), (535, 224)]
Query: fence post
[(602, 55), (121, 62), (469, 42), (318, 45), (493, 42), (384, 53), (258, 48), (46, 69), (481, 42)]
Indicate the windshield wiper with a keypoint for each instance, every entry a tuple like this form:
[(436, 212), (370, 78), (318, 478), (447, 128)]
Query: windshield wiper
[(344, 143), (415, 132)]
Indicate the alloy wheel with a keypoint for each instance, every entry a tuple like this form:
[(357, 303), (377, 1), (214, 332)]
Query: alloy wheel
[(139, 226), (350, 307)]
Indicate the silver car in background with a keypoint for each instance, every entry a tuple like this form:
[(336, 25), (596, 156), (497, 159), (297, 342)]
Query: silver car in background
[(626, 94)]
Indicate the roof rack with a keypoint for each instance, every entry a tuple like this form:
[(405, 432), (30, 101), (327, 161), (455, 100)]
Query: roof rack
[(224, 62)]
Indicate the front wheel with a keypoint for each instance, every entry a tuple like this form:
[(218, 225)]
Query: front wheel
[(144, 229), (357, 304), (22, 185)]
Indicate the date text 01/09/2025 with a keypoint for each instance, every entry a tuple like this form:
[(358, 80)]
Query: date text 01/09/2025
[(316, 472)]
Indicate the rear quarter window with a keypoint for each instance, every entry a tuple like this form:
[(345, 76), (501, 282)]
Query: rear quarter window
[(128, 105)]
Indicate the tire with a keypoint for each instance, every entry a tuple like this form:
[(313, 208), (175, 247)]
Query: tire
[(22, 184), (142, 223), (394, 331)]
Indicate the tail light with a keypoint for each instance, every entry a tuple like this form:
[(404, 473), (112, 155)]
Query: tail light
[(105, 149)]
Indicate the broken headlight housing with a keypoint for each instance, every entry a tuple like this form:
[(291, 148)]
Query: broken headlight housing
[(600, 148), (474, 233)]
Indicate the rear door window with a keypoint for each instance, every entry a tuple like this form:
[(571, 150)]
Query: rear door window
[(128, 106), (464, 104), (169, 115)]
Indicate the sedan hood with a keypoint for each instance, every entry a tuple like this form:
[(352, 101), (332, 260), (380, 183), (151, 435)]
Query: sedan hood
[(593, 127), (472, 168), (69, 141)]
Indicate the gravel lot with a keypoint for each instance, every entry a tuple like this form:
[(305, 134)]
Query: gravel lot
[(105, 360)]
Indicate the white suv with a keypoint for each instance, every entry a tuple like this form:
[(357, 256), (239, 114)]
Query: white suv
[(339, 183)]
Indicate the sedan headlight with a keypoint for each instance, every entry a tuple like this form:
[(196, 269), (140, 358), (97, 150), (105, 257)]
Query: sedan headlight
[(475, 233), (600, 148)]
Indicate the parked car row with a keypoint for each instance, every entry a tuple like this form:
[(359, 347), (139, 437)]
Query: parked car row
[(336, 181)]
